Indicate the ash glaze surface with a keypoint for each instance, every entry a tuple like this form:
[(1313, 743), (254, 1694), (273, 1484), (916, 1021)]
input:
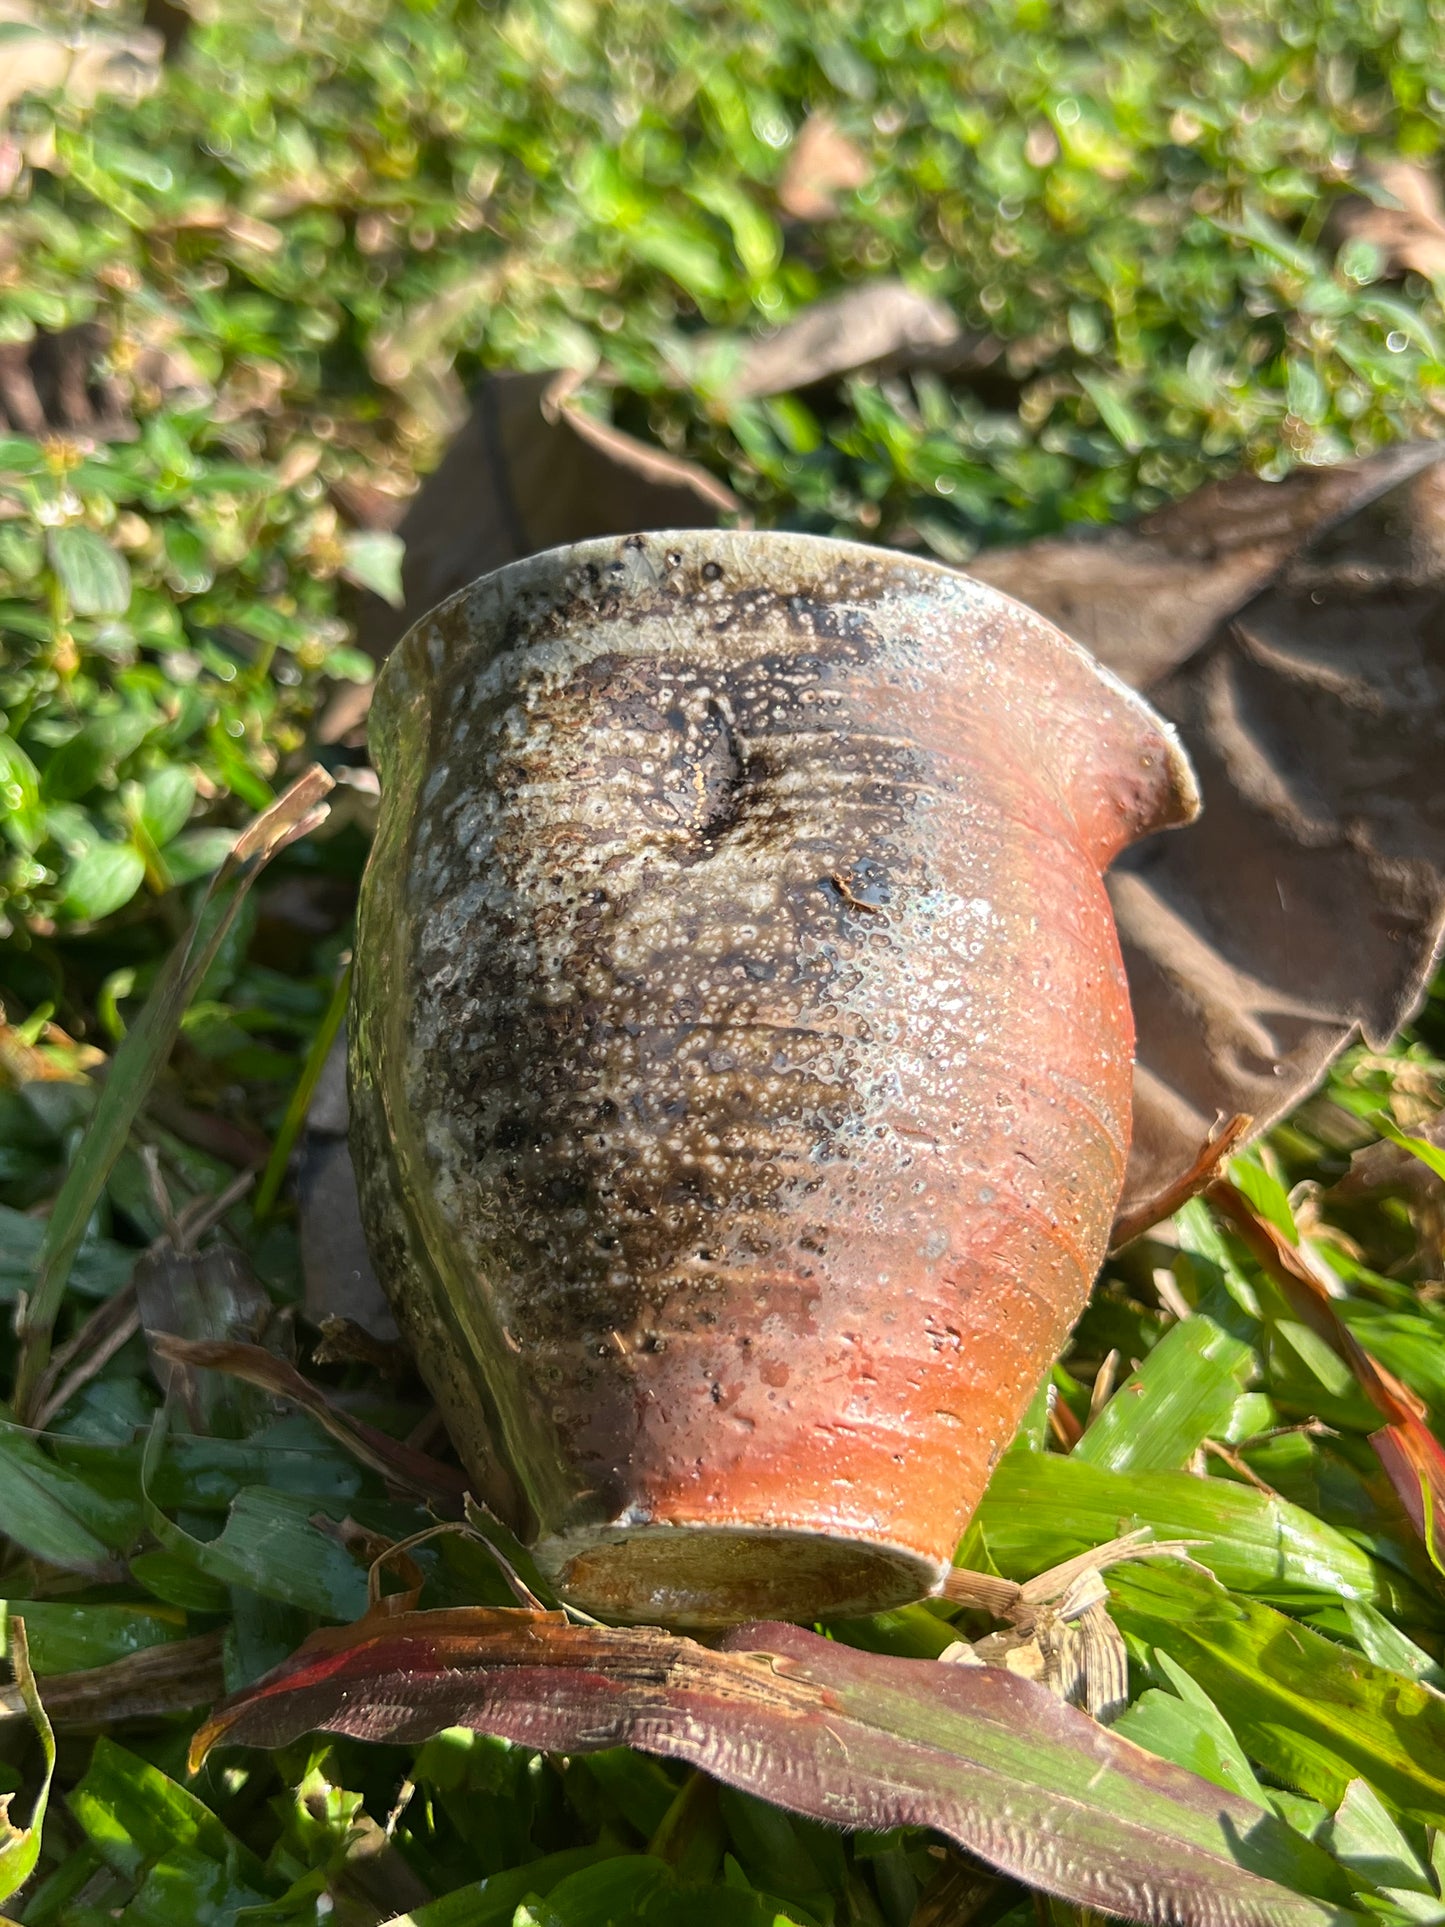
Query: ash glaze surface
[(741, 1052)]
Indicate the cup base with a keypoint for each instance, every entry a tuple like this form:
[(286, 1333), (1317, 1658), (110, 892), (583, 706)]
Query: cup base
[(693, 1575)]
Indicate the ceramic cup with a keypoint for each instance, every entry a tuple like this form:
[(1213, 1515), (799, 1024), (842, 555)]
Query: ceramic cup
[(741, 1050)]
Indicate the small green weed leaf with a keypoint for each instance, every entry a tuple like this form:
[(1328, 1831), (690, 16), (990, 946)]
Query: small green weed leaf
[(102, 881), (20, 813), (198, 853), (20, 1846), (1116, 412), (168, 798), (373, 561), (95, 577), (1365, 1838), (76, 766), (1183, 1393)]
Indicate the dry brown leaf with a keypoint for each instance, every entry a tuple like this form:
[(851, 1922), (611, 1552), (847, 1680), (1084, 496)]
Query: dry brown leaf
[(340, 1282), (46, 55), (822, 164), (1305, 907), (1399, 213), (879, 324), (159, 1680), (530, 470)]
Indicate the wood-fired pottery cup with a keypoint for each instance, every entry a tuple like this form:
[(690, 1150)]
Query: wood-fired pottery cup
[(741, 1050)]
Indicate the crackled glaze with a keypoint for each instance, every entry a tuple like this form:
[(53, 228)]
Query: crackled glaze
[(741, 1050)]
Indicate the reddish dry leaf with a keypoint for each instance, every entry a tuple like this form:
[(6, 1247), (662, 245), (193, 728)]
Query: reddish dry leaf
[(1412, 1457), (856, 1739), (1206, 1167)]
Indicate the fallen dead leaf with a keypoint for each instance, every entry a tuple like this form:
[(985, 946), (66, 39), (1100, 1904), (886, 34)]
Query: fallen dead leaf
[(1399, 213), (822, 164)]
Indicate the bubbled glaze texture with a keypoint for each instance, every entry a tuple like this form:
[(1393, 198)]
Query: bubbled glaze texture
[(741, 1049)]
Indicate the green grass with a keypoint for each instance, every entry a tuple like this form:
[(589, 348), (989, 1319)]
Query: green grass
[(301, 248)]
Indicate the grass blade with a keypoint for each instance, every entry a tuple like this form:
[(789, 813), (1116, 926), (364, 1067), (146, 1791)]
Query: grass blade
[(139, 1058), (1182, 1394), (1041, 1508), (1313, 1714), (20, 1846)]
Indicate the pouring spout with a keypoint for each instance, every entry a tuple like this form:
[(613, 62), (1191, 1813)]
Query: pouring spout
[(1121, 767)]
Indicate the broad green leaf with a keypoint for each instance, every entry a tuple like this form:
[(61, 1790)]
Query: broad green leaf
[(136, 1818), (1311, 1713), (102, 1265), (1041, 1508), (54, 1514), (95, 577), (1385, 1645), (66, 1639), (641, 1790), (589, 1887), (494, 1902), (1183, 1393), (18, 454), (169, 795), (1265, 1193), (1365, 1838), (606, 1895), (770, 1847), (21, 816), (20, 1846), (102, 881), (268, 1546), (1187, 1727), (176, 1581)]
